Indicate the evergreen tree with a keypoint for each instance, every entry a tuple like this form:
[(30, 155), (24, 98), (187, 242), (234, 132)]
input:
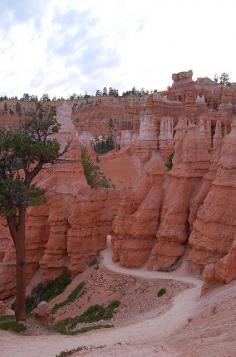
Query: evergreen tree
[(23, 154), (45, 98), (98, 93), (104, 92)]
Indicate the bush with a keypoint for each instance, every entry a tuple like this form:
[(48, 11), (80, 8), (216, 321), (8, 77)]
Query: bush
[(110, 309), (72, 297), (161, 292), (91, 171), (46, 291), (8, 323), (93, 314), (169, 161), (105, 145), (105, 183)]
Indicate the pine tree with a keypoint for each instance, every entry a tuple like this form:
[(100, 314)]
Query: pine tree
[(23, 154)]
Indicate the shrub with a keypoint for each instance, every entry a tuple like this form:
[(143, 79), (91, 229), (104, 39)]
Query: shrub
[(105, 183), (93, 314), (169, 161), (161, 292), (9, 323), (46, 291), (72, 297), (105, 145), (110, 309), (91, 171)]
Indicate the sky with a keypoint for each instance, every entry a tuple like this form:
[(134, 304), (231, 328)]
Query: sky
[(61, 47)]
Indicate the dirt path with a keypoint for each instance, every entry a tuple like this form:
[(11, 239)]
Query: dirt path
[(148, 331)]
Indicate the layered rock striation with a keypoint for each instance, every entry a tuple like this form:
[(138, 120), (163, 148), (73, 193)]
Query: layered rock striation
[(159, 211), (212, 240), (136, 223)]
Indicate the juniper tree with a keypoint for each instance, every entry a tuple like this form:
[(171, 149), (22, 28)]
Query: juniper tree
[(23, 154)]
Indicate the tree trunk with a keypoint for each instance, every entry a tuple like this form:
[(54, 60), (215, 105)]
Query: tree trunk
[(20, 269)]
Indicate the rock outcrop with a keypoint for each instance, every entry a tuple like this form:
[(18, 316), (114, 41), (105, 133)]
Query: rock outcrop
[(136, 223), (89, 224), (166, 137), (212, 240), (43, 313), (4, 310), (191, 161), (70, 228)]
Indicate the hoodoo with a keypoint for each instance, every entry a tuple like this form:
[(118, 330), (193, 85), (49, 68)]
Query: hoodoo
[(165, 193)]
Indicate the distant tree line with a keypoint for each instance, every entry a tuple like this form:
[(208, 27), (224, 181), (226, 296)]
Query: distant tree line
[(223, 79), (135, 92), (111, 92)]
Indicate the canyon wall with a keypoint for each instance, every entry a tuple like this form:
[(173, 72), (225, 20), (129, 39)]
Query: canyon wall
[(71, 228), (172, 192), (193, 222)]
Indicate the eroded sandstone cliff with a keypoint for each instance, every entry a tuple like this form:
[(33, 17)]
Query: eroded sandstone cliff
[(160, 212)]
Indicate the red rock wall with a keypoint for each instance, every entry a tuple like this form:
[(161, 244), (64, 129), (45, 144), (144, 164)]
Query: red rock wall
[(186, 213)]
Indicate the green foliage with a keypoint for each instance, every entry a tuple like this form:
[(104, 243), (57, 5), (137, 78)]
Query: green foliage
[(47, 291), (223, 79), (77, 292), (109, 311), (9, 323), (135, 92), (93, 314), (23, 153), (161, 292), (105, 183), (169, 161), (20, 196), (90, 170), (92, 173), (105, 145)]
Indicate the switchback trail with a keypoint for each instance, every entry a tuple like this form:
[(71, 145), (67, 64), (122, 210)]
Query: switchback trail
[(138, 336)]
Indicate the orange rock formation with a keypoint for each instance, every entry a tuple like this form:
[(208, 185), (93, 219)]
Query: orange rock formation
[(156, 217)]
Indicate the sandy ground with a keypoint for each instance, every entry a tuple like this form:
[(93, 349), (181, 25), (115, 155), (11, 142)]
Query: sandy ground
[(212, 331), (147, 332), (138, 296), (191, 326)]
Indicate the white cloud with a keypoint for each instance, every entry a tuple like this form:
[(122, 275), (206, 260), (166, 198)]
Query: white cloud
[(74, 45)]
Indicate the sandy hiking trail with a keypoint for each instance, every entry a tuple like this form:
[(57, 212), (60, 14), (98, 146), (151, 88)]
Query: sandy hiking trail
[(136, 338)]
